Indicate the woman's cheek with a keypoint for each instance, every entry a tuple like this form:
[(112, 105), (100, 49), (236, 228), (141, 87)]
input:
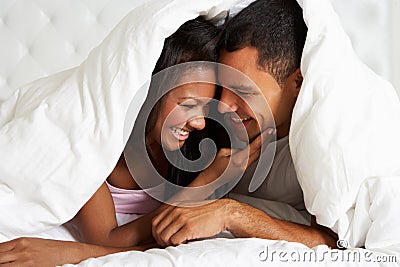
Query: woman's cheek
[(177, 117)]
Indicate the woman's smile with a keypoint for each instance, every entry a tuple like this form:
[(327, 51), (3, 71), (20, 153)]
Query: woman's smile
[(180, 133)]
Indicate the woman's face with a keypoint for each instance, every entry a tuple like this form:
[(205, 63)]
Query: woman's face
[(182, 111)]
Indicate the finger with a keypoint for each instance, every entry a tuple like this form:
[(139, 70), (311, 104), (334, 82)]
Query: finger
[(267, 136), (7, 246), (182, 236), (7, 257), (156, 222), (160, 216), (173, 228), (253, 157), (253, 150), (263, 139), (240, 157), (260, 145), (159, 233), (225, 152)]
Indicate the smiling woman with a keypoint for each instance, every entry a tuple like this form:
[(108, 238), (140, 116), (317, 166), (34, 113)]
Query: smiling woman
[(175, 122), (179, 114), (173, 119)]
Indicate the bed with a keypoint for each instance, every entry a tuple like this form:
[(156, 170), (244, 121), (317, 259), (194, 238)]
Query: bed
[(41, 38)]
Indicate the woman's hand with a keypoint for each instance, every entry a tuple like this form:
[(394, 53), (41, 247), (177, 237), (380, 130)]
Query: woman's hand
[(27, 251), (227, 165), (232, 162), (39, 252)]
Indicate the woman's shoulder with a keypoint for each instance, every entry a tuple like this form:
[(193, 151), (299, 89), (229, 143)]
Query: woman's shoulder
[(121, 177)]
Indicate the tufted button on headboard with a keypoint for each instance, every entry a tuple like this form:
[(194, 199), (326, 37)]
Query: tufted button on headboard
[(42, 37)]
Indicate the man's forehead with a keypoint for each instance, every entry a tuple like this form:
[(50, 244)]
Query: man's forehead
[(240, 58), (234, 79)]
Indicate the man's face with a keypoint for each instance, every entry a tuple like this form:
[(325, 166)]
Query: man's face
[(254, 106)]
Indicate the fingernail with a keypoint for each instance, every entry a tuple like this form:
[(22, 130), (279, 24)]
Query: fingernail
[(271, 131)]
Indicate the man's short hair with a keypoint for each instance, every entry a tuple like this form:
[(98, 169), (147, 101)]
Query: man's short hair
[(275, 28)]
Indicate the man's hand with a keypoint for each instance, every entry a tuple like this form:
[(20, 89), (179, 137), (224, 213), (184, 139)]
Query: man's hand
[(176, 225)]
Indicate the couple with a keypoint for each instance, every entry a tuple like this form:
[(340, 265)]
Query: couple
[(264, 41)]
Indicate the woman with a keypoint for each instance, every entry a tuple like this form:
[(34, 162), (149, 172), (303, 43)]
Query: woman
[(96, 222), (181, 112)]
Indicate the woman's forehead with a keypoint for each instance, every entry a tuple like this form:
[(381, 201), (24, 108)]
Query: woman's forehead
[(193, 90)]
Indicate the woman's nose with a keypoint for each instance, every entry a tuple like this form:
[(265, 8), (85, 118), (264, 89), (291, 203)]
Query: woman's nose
[(227, 102), (197, 123)]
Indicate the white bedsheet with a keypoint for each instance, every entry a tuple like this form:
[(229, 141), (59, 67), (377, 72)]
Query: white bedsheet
[(225, 251), (61, 136), (242, 252)]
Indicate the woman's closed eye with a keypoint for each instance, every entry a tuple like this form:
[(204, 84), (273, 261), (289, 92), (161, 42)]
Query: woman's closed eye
[(244, 93), (188, 106)]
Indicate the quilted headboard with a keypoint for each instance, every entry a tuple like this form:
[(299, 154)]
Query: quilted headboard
[(41, 37)]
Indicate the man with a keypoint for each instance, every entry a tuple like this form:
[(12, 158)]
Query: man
[(265, 42)]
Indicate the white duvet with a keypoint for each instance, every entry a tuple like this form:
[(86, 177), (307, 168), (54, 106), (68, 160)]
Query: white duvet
[(344, 138), (61, 136)]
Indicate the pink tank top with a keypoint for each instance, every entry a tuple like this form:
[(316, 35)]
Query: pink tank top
[(135, 201)]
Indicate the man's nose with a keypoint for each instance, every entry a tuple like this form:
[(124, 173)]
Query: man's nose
[(228, 101)]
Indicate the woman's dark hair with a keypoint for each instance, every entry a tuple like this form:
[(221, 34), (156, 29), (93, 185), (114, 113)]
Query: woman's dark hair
[(195, 40), (275, 28)]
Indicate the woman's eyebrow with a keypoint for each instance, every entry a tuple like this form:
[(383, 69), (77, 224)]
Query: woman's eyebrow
[(187, 97), (198, 100), (241, 87)]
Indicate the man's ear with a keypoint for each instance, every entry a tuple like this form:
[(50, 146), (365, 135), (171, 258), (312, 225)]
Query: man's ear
[(298, 79)]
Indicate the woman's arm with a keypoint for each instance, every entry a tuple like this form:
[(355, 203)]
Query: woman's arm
[(97, 223), (44, 252)]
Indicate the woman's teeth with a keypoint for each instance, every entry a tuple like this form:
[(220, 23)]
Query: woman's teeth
[(238, 120), (179, 131)]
